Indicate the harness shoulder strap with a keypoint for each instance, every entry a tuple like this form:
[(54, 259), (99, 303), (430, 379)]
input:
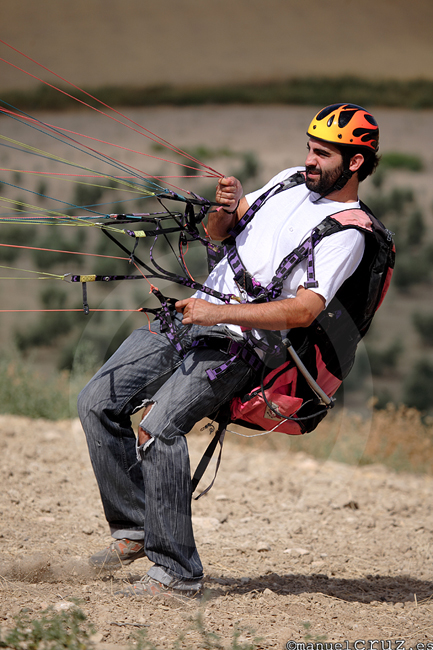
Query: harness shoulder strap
[(216, 254), (357, 218), (295, 179)]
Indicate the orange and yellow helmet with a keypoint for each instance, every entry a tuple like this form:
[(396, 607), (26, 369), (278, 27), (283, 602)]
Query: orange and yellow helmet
[(345, 124)]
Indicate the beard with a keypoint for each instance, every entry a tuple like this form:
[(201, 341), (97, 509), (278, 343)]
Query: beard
[(326, 179)]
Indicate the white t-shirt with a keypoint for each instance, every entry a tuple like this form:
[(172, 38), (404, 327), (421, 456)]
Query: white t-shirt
[(281, 224)]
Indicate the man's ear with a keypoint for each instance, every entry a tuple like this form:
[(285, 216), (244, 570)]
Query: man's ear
[(356, 162)]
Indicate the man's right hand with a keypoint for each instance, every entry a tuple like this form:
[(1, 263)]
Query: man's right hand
[(221, 220), (229, 192)]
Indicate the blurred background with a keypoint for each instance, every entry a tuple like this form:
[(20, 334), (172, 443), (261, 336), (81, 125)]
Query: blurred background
[(234, 83), (198, 42)]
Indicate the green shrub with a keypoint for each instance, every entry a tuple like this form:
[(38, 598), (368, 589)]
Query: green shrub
[(71, 630), (382, 398), (418, 387), (249, 169), (50, 325), (385, 359), (99, 346), (23, 391), (428, 253), (394, 203), (410, 269), (378, 177), (17, 236), (42, 189), (49, 328), (360, 371), (398, 160), (416, 228), (86, 195), (301, 91), (68, 629), (423, 324), (53, 240)]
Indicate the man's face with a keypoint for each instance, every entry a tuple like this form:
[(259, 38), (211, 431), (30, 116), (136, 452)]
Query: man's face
[(324, 165)]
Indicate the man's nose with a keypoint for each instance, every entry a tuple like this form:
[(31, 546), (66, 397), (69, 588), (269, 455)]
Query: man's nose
[(310, 160)]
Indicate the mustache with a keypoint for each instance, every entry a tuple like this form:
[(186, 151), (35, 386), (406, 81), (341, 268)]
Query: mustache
[(311, 168)]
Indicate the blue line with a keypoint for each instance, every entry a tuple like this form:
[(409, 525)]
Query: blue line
[(64, 140), (69, 164), (72, 205)]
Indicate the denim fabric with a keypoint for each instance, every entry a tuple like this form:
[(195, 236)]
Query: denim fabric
[(151, 497)]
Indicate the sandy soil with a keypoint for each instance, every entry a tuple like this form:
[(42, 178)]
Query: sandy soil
[(284, 539)]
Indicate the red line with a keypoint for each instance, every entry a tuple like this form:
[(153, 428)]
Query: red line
[(83, 135), (160, 140), (139, 171), (102, 176), (31, 171), (9, 311)]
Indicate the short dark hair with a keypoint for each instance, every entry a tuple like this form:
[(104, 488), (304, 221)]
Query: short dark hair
[(368, 167)]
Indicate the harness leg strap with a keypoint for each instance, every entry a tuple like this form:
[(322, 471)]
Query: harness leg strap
[(207, 456)]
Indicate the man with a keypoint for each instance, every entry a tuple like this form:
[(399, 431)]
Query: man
[(145, 483)]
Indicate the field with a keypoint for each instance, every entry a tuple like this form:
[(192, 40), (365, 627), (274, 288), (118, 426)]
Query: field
[(273, 138), (286, 541), (307, 540), (196, 43)]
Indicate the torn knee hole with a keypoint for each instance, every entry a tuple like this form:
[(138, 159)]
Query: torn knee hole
[(143, 435), (147, 409)]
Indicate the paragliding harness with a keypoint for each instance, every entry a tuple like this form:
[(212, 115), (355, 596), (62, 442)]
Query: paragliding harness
[(300, 374)]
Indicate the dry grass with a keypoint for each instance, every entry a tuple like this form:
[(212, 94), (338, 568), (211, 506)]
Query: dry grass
[(397, 437)]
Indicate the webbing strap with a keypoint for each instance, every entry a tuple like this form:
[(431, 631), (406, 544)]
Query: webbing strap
[(273, 290), (216, 254), (164, 313), (295, 179), (206, 458), (234, 349)]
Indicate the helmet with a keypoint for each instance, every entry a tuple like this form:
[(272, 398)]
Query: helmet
[(346, 124)]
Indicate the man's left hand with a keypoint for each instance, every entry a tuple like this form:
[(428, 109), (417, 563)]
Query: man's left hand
[(198, 312)]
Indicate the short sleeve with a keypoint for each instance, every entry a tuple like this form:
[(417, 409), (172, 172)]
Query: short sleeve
[(336, 258)]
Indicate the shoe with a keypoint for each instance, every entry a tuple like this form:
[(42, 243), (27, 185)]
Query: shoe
[(148, 586), (120, 553)]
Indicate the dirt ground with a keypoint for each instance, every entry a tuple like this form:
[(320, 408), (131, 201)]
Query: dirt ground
[(285, 540)]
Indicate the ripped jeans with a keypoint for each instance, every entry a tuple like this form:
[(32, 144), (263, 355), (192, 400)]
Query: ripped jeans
[(150, 498)]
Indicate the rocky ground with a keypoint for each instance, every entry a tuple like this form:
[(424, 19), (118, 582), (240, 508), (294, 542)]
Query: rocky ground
[(285, 540)]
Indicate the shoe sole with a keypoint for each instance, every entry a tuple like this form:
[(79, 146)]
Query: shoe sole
[(118, 563), (130, 592)]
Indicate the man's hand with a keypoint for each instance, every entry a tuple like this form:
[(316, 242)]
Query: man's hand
[(229, 192), (275, 315), (222, 219), (199, 312)]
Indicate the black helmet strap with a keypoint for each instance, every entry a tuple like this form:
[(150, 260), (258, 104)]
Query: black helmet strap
[(339, 183)]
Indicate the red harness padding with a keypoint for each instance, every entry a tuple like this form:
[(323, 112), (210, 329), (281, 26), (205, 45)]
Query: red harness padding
[(284, 396), (284, 401)]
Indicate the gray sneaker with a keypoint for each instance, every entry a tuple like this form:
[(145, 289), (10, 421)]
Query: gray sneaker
[(120, 553), (147, 586)]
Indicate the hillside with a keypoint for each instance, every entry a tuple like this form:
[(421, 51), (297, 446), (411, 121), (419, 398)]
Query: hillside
[(199, 42), (273, 138)]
